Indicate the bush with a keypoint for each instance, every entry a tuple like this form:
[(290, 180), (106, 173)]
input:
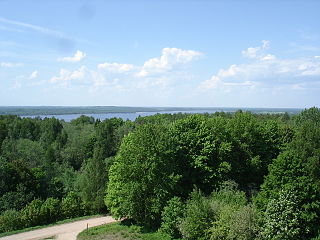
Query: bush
[(10, 220), (171, 217), (31, 214), (198, 217), (233, 223), (51, 210), (235, 219), (72, 206)]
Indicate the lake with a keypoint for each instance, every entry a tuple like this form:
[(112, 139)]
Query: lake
[(133, 115)]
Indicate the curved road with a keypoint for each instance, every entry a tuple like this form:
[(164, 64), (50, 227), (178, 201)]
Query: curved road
[(66, 231)]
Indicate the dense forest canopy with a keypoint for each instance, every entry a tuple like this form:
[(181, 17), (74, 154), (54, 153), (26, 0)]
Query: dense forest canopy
[(192, 176)]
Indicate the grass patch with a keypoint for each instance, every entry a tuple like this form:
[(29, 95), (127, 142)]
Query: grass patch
[(49, 225), (120, 231)]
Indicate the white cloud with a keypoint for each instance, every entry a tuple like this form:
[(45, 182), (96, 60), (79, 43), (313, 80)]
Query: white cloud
[(34, 75), (10, 65), (116, 67), (169, 58), (82, 76), (77, 57), (258, 52), (265, 69)]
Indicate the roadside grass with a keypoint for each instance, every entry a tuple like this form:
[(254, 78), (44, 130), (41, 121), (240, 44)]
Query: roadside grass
[(120, 231), (49, 225)]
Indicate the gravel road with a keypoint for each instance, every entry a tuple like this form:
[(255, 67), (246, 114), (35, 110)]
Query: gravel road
[(66, 231)]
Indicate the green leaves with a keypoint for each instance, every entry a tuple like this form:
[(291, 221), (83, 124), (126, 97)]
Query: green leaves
[(142, 178)]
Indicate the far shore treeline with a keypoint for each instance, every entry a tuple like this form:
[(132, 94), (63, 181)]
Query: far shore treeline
[(237, 174)]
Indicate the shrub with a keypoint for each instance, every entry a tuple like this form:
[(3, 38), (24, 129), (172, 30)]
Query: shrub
[(235, 219), (51, 210), (10, 220), (31, 214), (172, 216), (72, 206), (198, 217)]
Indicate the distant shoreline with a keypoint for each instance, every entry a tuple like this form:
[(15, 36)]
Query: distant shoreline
[(62, 110)]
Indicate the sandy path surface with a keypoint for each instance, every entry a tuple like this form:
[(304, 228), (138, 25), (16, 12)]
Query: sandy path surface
[(67, 231)]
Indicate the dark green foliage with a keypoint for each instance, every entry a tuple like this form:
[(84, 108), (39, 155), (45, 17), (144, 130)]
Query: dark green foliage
[(171, 217), (51, 128), (24, 128), (144, 164), (3, 132), (107, 141), (83, 120), (92, 182), (202, 149)]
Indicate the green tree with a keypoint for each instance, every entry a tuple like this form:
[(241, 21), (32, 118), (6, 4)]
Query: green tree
[(92, 184), (283, 218), (202, 148), (142, 179)]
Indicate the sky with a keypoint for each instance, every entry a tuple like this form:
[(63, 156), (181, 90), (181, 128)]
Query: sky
[(191, 53)]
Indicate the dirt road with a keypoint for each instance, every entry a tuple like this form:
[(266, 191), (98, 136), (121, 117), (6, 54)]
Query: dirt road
[(67, 231)]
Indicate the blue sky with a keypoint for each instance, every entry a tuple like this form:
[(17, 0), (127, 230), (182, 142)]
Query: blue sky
[(160, 53)]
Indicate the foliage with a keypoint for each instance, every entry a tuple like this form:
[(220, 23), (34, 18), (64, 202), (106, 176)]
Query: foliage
[(202, 148), (31, 215), (72, 206), (171, 217), (51, 210), (283, 218), (141, 180), (92, 182), (198, 218), (10, 220)]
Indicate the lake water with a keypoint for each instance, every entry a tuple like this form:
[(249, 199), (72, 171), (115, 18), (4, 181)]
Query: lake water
[(124, 116), (133, 115)]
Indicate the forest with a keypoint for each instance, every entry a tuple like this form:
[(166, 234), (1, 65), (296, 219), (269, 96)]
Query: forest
[(189, 176)]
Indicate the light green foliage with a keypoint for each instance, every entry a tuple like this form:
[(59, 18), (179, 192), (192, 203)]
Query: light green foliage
[(10, 220), (224, 215), (31, 215), (283, 218), (198, 218), (142, 180), (235, 219), (171, 217), (121, 231), (72, 206), (51, 210)]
